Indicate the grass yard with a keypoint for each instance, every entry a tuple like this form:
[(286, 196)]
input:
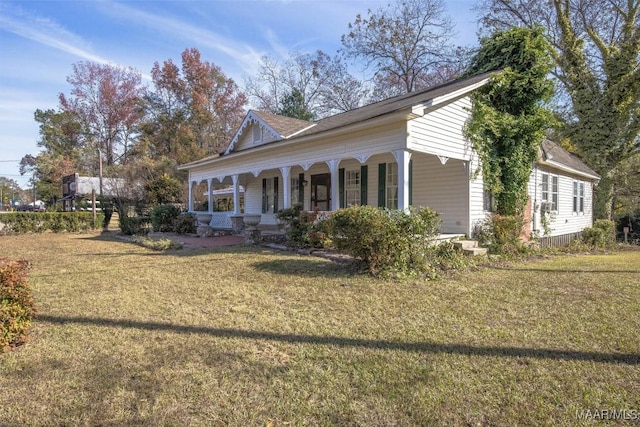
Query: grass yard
[(248, 337)]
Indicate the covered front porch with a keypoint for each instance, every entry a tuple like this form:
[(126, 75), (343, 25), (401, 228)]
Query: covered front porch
[(396, 180)]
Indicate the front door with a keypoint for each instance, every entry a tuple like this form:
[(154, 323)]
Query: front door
[(321, 192)]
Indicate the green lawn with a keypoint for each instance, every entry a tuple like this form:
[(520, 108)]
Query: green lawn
[(248, 337)]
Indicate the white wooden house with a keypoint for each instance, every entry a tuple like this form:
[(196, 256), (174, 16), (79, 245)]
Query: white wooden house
[(406, 150)]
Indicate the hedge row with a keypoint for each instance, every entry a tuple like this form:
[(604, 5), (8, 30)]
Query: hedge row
[(38, 222)]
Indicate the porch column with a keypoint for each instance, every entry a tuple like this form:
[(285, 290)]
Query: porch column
[(210, 195), (190, 201), (335, 187), (236, 194), (403, 157), (286, 186)]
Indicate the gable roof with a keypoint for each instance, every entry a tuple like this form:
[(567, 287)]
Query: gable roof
[(286, 128), (426, 97), (280, 127), (552, 154)]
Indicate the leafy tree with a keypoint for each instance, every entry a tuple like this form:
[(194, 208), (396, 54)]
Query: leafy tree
[(597, 56), (8, 189), (62, 152), (406, 43), (508, 120), (163, 189), (293, 106), (106, 101), (191, 112)]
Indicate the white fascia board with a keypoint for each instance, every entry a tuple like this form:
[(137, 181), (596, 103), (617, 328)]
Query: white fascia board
[(566, 168), (423, 109)]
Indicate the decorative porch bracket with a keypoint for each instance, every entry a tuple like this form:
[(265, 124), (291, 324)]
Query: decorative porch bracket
[(362, 158), (443, 159)]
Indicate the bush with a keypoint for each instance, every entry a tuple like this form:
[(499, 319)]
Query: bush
[(39, 222), (303, 228), (386, 240), (17, 308), (135, 225), (501, 234), (601, 235), (185, 223), (163, 217)]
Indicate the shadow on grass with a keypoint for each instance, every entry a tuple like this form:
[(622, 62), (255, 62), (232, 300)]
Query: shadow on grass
[(417, 347), (305, 266), (563, 270)]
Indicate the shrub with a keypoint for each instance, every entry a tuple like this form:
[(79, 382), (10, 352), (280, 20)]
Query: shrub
[(39, 222), (185, 223), (303, 228), (501, 234), (163, 217), (135, 225), (601, 235), (17, 308), (386, 240)]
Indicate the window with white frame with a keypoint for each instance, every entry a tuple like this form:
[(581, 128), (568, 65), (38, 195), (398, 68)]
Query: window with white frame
[(578, 197), (549, 192), (295, 191), (352, 188), (392, 186)]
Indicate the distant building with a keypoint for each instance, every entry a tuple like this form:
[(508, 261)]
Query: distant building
[(75, 188)]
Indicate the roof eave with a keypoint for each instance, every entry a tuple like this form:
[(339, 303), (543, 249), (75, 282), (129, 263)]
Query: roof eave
[(569, 169)]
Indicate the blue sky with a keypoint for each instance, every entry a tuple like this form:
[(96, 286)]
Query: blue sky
[(40, 40)]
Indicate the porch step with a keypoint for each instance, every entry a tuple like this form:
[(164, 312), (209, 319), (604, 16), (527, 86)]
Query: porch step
[(465, 244), (469, 247)]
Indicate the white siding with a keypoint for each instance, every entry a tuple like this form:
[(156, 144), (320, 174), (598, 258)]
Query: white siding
[(439, 132), (246, 140), (443, 188), (564, 220)]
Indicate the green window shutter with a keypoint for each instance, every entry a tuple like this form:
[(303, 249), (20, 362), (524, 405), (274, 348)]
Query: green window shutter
[(410, 182), (264, 196), (275, 194), (382, 184), (363, 184), (301, 190), (341, 197)]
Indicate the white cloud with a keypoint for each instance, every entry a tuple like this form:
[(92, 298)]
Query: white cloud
[(46, 32), (245, 55)]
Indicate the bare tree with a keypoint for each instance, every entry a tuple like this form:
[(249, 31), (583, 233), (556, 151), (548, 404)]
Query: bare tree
[(405, 43), (323, 84)]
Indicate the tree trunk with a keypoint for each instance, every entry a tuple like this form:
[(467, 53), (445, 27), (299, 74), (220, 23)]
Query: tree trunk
[(603, 197)]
